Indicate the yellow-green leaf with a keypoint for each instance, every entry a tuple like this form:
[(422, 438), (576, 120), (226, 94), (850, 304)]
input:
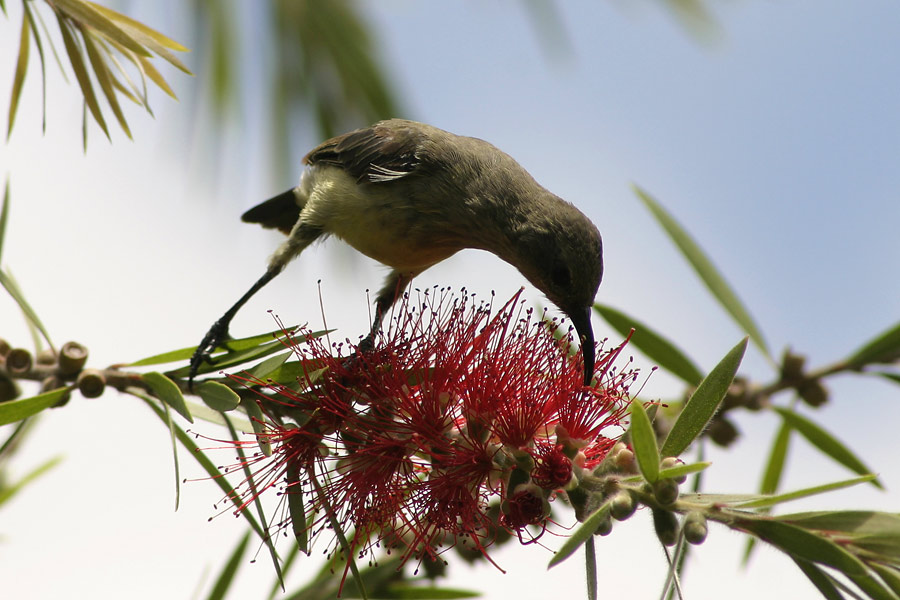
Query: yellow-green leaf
[(81, 74), (126, 21), (85, 13), (21, 69)]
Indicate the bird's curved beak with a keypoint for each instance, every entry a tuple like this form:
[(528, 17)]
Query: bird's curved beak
[(581, 319)]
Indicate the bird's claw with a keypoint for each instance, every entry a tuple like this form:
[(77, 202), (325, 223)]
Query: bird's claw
[(212, 340)]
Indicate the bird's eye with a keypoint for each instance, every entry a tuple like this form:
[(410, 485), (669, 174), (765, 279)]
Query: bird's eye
[(561, 276)]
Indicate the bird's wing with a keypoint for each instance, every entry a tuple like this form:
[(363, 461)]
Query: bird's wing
[(385, 152)]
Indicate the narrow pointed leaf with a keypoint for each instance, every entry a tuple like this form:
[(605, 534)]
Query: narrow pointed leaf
[(233, 346), (804, 493), (257, 504), (12, 288), (775, 465), (40, 48), (150, 71), (799, 542), (681, 470), (7, 491), (16, 410), (85, 13), (580, 535), (819, 578), (258, 420), (643, 440), (223, 581), (177, 469), (826, 442), (296, 507), (218, 396), (208, 466), (590, 568), (704, 402), (772, 474), (890, 576), (872, 587), (656, 347), (4, 216), (166, 390), (21, 69), (81, 75), (105, 79), (269, 366), (705, 269), (125, 21), (884, 348)]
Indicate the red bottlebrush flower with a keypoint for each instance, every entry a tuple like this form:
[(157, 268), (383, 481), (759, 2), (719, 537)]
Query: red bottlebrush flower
[(457, 406)]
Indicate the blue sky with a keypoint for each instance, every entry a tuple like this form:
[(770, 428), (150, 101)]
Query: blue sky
[(776, 145)]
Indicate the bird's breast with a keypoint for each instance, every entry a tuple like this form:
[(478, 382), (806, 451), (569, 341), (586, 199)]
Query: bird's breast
[(383, 221)]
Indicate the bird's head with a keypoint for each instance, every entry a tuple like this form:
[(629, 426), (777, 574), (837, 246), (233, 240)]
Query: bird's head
[(561, 253)]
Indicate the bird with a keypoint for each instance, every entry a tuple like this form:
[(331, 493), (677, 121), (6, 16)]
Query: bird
[(411, 195)]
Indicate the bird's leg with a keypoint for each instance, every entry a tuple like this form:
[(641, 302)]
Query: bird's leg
[(218, 333), (389, 293), (301, 236)]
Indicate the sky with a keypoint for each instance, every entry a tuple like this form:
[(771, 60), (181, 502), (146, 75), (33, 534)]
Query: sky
[(775, 143)]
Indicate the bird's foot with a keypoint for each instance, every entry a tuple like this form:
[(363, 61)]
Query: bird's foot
[(217, 334)]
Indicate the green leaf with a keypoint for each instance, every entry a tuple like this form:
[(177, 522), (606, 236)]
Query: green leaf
[(233, 346), (804, 493), (406, 591), (258, 420), (680, 470), (7, 491), (81, 74), (893, 377), (590, 568), (800, 543), (251, 482), (775, 465), (296, 508), (704, 402), (890, 575), (705, 269), (819, 578), (581, 534), (12, 288), (177, 468), (643, 439), (218, 396), (269, 366), (772, 474), (656, 347), (4, 216), (16, 410), (883, 348), (166, 390), (19, 77), (826, 442), (223, 581), (231, 359)]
